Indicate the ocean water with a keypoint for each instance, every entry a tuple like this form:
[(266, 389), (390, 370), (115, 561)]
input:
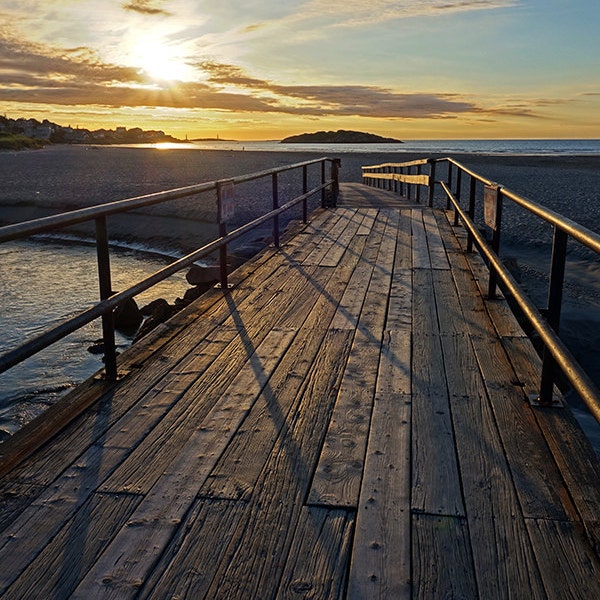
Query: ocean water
[(546, 147), (41, 281)]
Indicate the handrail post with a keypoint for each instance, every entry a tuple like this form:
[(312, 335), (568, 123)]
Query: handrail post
[(335, 176), (496, 243), (304, 190), (401, 182), (449, 181), (457, 193), (419, 172), (105, 284), (323, 183), (471, 211), (555, 293), (432, 164), (275, 207), (225, 206)]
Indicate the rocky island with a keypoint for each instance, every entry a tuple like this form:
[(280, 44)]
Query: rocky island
[(339, 137)]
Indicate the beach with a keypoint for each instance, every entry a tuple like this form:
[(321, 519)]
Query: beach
[(56, 179)]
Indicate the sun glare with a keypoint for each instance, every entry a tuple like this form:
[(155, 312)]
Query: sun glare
[(161, 60)]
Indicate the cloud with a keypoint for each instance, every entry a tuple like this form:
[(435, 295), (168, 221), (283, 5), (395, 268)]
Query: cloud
[(358, 13), (41, 64), (350, 100), (146, 7), (77, 77)]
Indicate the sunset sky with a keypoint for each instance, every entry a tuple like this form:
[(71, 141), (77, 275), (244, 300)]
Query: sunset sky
[(265, 69)]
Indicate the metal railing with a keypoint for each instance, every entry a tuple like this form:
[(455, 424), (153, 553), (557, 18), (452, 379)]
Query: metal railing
[(487, 198), (109, 300)]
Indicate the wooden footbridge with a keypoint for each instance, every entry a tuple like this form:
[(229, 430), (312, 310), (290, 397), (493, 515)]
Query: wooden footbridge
[(349, 420)]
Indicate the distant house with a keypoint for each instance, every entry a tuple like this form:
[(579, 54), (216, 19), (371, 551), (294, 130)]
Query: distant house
[(76, 135), (42, 132)]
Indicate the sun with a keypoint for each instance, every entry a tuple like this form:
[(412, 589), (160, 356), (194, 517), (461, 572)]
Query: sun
[(160, 60)]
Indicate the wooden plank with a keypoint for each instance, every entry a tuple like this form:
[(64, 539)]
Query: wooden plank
[(569, 567), (309, 237), (317, 563), (22, 540), (437, 250), (380, 565), (188, 566), (502, 553), (55, 571), (340, 245), (421, 259), (369, 218), (436, 482), (404, 243), (255, 564), (344, 217), (132, 553), (15, 496), (337, 479), (442, 558), (381, 551), (350, 306)]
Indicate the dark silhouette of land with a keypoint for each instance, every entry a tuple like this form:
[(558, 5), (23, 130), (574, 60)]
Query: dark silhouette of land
[(339, 137)]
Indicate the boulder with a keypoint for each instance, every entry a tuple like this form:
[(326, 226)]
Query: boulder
[(128, 316), (161, 310), (202, 275)]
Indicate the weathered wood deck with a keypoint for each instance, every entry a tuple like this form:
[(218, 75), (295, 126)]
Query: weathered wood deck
[(348, 422)]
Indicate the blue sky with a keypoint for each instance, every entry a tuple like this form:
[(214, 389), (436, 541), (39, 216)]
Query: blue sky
[(411, 69)]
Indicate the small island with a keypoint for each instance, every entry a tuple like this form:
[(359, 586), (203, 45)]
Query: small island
[(339, 137)]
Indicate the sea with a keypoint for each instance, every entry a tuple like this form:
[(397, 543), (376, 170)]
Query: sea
[(45, 279), (525, 147)]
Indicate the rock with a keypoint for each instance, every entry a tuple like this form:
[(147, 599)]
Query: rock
[(161, 311), (154, 306), (128, 316), (97, 347), (195, 292), (199, 275)]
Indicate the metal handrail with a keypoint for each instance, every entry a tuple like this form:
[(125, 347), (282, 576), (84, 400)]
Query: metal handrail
[(555, 351), (110, 301)]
